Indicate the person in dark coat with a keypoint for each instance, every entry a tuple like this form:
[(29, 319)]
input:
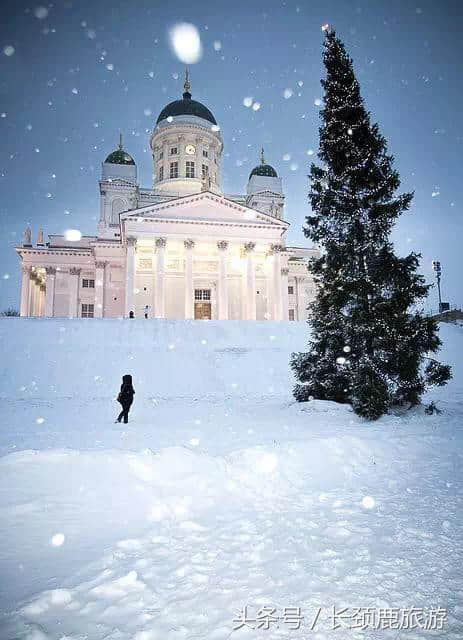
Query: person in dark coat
[(125, 397)]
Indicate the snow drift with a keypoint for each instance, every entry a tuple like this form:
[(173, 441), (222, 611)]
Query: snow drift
[(221, 492)]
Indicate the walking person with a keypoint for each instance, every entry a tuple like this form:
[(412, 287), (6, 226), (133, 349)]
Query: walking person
[(125, 397), (147, 309)]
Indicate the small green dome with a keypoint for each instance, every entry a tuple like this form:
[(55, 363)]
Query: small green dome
[(120, 156), (263, 169)]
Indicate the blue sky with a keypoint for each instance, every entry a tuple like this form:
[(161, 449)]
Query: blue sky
[(87, 70)]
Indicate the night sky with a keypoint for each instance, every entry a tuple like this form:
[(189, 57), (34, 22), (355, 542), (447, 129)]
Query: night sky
[(78, 73)]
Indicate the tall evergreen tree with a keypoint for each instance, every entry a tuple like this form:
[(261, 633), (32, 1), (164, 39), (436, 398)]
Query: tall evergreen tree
[(369, 343)]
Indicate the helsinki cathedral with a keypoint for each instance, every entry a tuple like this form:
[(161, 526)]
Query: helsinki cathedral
[(180, 249)]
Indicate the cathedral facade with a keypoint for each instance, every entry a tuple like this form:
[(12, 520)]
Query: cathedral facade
[(182, 249)]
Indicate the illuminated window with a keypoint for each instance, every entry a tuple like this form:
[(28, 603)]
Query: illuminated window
[(173, 151), (88, 284), (190, 169), (88, 311), (202, 294), (174, 169)]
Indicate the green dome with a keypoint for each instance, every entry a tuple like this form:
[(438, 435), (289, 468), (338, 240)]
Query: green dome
[(186, 107), (263, 169), (120, 157)]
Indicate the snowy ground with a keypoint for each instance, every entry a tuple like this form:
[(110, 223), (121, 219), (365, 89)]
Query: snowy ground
[(220, 493)]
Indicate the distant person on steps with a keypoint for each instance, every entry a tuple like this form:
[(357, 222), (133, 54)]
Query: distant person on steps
[(125, 397)]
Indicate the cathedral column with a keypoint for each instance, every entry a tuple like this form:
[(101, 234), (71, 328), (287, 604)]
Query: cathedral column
[(50, 291), (300, 304), (250, 276), (159, 307), (25, 290), (33, 296), (277, 300), (222, 246), (189, 287), (130, 277), (74, 273), (100, 267), (274, 282), (284, 296), (42, 300)]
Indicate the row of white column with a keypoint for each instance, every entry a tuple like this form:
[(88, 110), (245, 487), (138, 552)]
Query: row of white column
[(39, 300), (277, 282)]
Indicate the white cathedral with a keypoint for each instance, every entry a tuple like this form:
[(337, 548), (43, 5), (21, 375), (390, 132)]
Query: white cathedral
[(182, 249)]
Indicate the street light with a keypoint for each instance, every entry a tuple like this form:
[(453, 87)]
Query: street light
[(436, 267)]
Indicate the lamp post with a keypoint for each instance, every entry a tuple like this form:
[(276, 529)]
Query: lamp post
[(436, 267)]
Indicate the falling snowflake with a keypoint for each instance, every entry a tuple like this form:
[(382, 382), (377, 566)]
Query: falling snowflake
[(256, 106), (58, 539), (340, 360), (8, 50), (110, 66), (287, 93), (247, 102), (72, 235), (287, 157), (186, 42), (217, 45), (40, 12), (317, 102), (75, 91), (368, 502)]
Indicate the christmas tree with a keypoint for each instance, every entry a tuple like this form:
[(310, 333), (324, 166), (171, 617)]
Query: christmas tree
[(369, 341)]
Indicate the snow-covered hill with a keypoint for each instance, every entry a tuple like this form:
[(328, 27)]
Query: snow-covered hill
[(221, 492)]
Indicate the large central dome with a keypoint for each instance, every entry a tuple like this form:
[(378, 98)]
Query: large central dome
[(186, 107)]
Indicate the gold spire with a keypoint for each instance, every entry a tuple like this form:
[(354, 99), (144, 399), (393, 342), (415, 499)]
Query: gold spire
[(262, 159), (120, 141), (187, 85)]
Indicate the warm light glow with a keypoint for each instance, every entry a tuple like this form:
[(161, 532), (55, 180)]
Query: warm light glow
[(237, 264)]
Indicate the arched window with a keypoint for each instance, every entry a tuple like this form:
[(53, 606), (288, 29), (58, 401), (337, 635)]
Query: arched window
[(118, 206)]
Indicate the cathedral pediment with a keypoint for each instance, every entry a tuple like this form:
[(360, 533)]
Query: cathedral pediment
[(207, 207)]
